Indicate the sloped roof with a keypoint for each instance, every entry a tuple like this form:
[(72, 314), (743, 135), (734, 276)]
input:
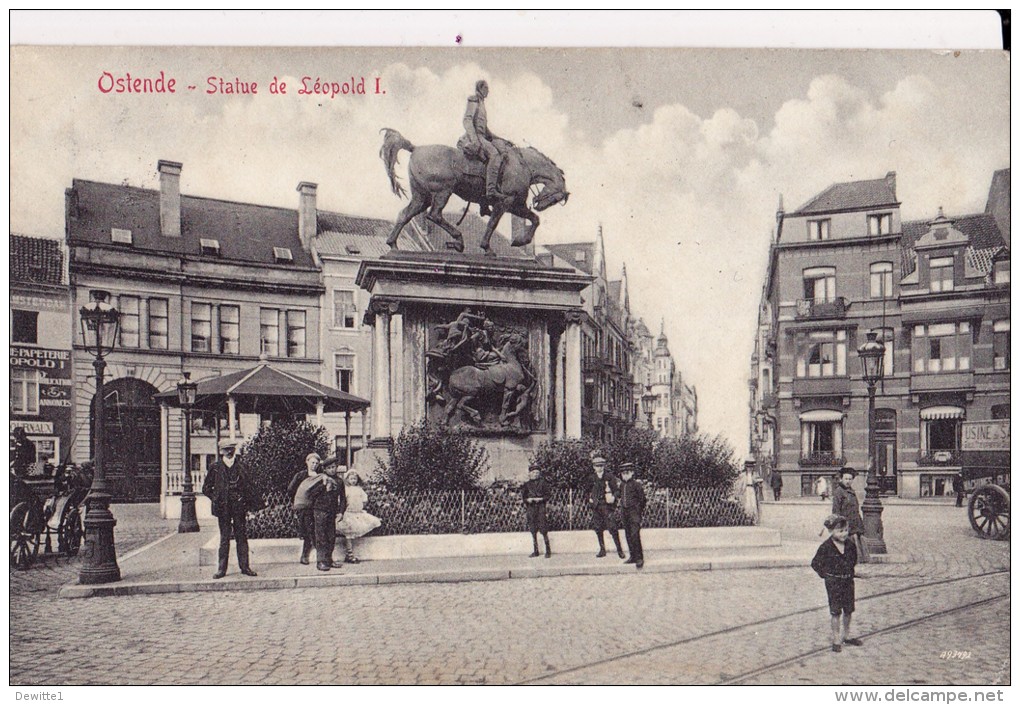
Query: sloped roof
[(852, 195), (568, 252), (245, 232), (263, 389), (980, 229), (36, 260), (615, 292), (353, 236)]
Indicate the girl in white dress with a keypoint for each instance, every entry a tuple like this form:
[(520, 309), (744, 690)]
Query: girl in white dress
[(356, 522)]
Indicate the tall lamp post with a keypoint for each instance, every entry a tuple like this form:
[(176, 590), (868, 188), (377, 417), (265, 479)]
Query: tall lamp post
[(100, 323), (872, 354), (648, 404), (186, 391)]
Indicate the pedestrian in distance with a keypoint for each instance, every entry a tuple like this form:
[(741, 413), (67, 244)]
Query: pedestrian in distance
[(355, 522), (228, 485), (329, 500), (776, 482), (959, 489), (535, 494), (846, 504), (834, 562), (297, 490), (602, 497), (822, 488), (632, 507)]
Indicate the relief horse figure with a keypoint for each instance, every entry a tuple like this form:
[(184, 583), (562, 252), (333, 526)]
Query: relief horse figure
[(510, 377), (437, 172)]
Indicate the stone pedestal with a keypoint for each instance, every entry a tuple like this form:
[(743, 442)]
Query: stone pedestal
[(487, 345)]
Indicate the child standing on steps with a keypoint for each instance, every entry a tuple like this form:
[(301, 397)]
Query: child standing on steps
[(356, 522), (834, 562)]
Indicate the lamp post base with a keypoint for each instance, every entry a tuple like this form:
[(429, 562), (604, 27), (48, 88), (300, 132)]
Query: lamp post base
[(100, 553), (872, 510), (189, 518)]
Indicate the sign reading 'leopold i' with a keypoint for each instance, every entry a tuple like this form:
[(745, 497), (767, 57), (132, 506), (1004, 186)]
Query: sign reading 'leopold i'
[(985, 435)]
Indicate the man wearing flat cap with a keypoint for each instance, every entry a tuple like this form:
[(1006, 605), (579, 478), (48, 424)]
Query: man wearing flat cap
[(603, 495), (228, 484)]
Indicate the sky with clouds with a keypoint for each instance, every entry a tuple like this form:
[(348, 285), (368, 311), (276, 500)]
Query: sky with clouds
[(680, 155)]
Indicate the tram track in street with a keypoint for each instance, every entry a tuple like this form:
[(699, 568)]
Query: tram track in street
[(735, 679)]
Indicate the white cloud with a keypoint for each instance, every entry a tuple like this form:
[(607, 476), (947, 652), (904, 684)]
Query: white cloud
[(688, 201)]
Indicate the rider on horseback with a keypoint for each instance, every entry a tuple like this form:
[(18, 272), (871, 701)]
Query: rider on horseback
[(480, 140)]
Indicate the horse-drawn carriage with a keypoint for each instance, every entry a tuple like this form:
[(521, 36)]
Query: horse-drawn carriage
[(988, 508), (985, 458), (35, 522)]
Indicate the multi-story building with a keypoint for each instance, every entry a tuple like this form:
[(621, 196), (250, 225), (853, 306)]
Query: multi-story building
[(936, 293), (655, 372), (203, 286), (607, 409), (40, 349)]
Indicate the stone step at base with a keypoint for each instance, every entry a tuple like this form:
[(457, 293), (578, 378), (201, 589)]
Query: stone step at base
[(381, 548)]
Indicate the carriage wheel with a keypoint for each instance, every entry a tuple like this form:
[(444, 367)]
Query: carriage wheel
[(24, 539), (989, 512), (70, 533)]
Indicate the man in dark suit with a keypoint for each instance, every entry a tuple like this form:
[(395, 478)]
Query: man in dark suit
[(632, 506), (229, 486), (604, 491)]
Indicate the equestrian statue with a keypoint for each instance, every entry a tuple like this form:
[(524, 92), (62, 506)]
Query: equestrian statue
[(483, 169)]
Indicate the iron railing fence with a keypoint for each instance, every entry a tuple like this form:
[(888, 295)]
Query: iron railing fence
[(500, 509)]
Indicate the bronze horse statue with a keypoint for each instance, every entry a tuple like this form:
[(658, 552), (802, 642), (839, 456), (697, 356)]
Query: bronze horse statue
[(509, 377), (438, 172)]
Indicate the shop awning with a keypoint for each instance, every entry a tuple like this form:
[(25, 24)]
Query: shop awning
[(942, 412), (822, 415)]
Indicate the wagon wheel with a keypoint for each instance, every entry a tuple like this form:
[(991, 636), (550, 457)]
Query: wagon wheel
[(989, 512), (24, 538), (70, 534)]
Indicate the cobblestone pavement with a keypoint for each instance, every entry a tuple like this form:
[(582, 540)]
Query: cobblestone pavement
[(693, 627)]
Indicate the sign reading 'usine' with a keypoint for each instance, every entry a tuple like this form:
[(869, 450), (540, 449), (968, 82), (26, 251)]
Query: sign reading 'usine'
[(986, 435)]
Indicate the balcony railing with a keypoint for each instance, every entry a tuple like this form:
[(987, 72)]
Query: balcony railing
[(809, 308), (823, 458), (175, 481), (593, 364), (936, 458)]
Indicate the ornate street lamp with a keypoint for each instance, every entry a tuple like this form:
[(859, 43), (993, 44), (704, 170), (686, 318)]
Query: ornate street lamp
[(648, 403), (100, 323), (186, 390), (872, 354)]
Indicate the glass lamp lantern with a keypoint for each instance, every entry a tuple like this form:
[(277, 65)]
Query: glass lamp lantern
[(100, 323), (872, 354)]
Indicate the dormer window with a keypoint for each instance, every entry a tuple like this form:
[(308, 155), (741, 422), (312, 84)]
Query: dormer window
[(580, 256), (210, 247), (941, 273), (282, 254), (120, 236), (353, 250), (880, 224), (818, 229)]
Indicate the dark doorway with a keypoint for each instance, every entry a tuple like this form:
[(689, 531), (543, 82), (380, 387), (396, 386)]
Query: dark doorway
[(132, 443)]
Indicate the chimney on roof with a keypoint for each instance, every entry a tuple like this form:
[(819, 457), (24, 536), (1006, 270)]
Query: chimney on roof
[(170, 198), (890, 180), (307, 214)]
